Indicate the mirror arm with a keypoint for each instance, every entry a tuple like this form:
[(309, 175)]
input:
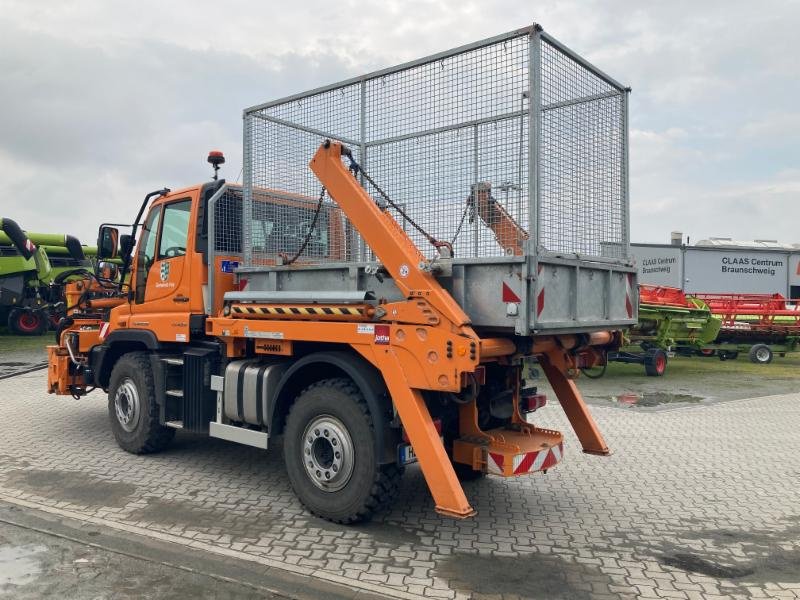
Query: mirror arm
[(126, 258)]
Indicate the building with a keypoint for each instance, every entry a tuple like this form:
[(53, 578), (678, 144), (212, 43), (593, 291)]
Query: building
[(721, 265)]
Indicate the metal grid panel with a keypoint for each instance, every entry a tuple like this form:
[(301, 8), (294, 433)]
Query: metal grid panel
[(226, 231), (583, 198), (428, 131)]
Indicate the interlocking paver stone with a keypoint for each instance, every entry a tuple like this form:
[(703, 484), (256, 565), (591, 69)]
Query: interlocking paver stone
[(700, 502)]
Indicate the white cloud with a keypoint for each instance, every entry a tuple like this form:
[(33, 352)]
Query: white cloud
[(104, 101)]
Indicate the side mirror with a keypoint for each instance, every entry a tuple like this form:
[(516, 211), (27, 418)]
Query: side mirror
[(108, 270), (107, 242), (125, 244)]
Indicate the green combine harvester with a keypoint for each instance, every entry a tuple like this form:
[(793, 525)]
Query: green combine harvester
[(668, 320), (32, 267)]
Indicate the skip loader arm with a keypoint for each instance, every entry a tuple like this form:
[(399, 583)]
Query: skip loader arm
[(403, 260), (444, 320)]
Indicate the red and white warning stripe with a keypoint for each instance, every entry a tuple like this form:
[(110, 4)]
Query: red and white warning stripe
[(30, 246), (528, 462), (103, 331), (628, 292)]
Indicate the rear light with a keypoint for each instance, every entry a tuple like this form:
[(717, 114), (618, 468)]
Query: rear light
[(437, 423), (530, 400)]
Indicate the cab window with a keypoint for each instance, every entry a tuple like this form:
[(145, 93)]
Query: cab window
[(175, 230), (147, 252)]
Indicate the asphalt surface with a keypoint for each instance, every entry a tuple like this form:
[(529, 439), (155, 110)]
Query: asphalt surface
[(700, 502)]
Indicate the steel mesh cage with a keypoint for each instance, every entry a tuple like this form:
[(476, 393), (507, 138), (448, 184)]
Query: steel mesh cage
[(518, 114)]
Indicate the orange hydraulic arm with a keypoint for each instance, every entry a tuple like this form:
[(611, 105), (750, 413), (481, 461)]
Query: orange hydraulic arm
[(403, 260), (380, 231), (508, 232)]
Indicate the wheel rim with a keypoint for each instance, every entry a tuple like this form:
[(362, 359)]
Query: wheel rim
[(327, 453), (762, 354), (661, 363), (126, 404), (28, 322)]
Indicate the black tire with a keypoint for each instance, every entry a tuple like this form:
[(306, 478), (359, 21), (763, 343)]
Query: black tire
[(331, 414), (760, 354), (728, 355), (655, 363), (23, 321), (132, 384)]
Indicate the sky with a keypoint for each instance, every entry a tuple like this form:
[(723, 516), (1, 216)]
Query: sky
[(103, 101)]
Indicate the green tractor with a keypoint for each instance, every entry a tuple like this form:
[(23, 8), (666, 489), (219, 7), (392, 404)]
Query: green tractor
[(32, 265)]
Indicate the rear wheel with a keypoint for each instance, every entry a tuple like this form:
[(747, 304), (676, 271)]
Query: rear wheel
[(761, 354), (329, 450), (132, 407), (22, 321), (655, 363)]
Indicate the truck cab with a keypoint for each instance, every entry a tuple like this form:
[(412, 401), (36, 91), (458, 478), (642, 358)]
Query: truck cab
[(169, 290)]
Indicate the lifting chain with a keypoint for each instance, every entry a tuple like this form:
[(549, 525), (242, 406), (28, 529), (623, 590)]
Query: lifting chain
[(356, 169)]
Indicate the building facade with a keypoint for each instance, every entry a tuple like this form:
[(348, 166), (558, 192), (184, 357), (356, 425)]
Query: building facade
[(720, 268)]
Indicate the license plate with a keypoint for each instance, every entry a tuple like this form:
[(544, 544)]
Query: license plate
[(407, 454)]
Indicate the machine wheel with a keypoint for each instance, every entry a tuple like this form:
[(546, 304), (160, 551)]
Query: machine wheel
[(655, 363), (728, 354), (761, 354), (22, 321), (708, 352), (595, 372), (329, 450), (132, 407)]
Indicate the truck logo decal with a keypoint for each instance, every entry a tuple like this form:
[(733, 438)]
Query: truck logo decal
[(164, 271), (382, 334)]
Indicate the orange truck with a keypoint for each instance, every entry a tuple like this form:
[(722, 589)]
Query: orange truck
[(363, 296)]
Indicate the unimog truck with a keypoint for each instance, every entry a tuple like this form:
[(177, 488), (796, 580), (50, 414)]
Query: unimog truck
[(405, 249)]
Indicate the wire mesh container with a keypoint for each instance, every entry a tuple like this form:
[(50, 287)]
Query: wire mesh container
[(519, 116)]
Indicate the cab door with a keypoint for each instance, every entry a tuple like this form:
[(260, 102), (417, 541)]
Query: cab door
[(163, 276)]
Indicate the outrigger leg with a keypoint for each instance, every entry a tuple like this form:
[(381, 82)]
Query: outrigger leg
[(569, 396)]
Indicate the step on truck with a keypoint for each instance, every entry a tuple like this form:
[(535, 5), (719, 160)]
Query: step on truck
[(403, 247)]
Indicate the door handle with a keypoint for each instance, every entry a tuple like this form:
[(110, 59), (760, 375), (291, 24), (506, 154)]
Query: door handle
[(180, 298)]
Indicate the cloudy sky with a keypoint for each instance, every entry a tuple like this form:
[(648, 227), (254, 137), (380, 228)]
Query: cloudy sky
[(103, 101)]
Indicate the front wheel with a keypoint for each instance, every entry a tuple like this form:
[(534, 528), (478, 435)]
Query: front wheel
[(329, 450), (132, 407), (655, 363)]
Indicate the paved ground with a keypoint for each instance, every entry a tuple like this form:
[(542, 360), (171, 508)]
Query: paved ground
[(22, 353), (698, 502), (37, 562)]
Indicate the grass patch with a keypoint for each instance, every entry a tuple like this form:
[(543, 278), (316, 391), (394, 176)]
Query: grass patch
[(23, 343), (787, 367)]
